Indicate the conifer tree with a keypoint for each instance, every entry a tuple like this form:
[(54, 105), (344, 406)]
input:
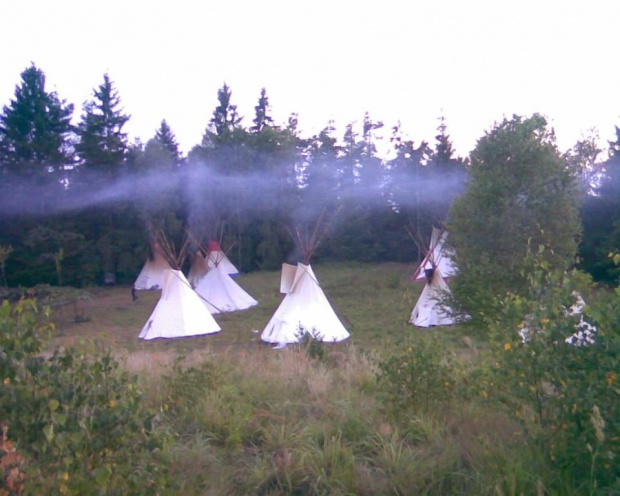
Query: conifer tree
[(262, 117), (35, 128), (225, 118), (445, 177), (103, 144), (168, 142)]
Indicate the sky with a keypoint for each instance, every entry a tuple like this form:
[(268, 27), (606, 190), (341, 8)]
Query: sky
[(409, 61)]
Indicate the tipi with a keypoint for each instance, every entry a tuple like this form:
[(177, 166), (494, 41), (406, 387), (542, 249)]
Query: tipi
[(217, 257), (179, 311), (151, 276), (305, 308), (437, 256), (429, 309), (221, 294)]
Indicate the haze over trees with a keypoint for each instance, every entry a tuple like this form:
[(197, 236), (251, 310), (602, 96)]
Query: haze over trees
[(80, 201)]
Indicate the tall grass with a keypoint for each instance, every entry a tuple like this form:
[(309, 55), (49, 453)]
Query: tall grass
[(279, 422), (250, 420)]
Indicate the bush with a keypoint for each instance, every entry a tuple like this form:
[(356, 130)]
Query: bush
[(565, 395), (77, 418), (419, 378)]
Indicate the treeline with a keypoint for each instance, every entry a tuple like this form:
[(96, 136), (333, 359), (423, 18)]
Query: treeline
[(80, 202)]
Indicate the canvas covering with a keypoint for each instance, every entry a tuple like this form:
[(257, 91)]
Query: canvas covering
[(220, 293), (287, 279), (218, 258), (179, 311), (151, 276), (428, 310), (304, 308), (437, 256)]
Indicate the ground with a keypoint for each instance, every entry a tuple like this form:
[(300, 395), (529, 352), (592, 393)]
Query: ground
[(373, 301)]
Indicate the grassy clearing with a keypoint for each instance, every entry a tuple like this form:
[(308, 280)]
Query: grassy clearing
[(373, 301), (247, 419)]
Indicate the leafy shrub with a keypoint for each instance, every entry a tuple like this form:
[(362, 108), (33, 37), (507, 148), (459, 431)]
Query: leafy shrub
[(566, 396), (77, 418), (417, 378), (311, 343)]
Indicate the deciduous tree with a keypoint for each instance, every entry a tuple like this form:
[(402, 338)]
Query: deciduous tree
[(521, 192)]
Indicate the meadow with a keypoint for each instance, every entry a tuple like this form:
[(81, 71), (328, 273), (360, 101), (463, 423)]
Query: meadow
[(393, 410)]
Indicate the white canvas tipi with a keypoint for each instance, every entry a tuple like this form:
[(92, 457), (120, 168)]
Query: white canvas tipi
[(217, 257), (221, 294), (179, 311), (151, 276), (305, 308), (437, 256), (429, 310)]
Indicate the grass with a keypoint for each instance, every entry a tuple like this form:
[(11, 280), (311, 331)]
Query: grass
[(373, 301), (247, 419)]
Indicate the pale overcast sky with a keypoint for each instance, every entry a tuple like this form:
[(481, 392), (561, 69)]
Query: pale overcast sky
[(474, 61)]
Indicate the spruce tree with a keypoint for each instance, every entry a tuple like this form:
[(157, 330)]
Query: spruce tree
[(103, 144), (262, 117), (35, 128)]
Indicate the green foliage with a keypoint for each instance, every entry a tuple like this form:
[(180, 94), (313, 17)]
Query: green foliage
[(103, 144), (521, 189), (312, 344), (35, 128), (77, 418), (419, 378), (566, 396)]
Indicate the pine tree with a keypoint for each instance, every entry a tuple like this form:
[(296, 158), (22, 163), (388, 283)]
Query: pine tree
[(445, 176), (168, 142), (262, 117), (443, 147), (409, 192), (103, 144), (35, 128), (225, 118)]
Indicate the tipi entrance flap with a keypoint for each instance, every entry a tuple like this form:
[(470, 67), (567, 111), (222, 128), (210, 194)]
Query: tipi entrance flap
[(287, 279)]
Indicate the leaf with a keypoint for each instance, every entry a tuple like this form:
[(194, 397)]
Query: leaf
[(53, 405), (48, 431)]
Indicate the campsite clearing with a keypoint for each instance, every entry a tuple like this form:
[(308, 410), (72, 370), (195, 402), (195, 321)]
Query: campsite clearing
[(374, 303)]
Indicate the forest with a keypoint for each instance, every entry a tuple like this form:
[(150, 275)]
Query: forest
[(80, 203)]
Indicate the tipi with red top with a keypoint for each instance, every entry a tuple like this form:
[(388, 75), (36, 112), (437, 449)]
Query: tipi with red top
[(216, 257)]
